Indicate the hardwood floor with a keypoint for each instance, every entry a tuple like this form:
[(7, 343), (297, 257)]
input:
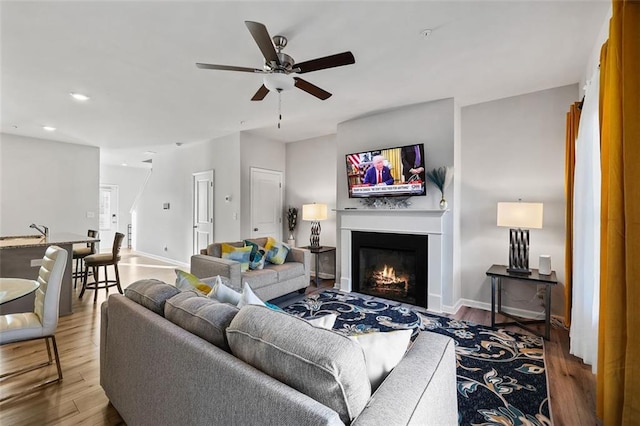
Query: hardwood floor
[(79, 399)]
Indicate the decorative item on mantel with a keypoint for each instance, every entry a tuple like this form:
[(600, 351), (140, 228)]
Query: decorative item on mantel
[(386, 202), (441, 178), (292, 222)]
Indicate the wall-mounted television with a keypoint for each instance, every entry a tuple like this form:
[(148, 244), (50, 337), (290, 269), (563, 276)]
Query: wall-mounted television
[(391, 172)]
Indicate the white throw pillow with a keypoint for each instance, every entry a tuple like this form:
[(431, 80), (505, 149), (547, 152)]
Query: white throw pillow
[(382, 352), (224, 294), (248, 297), (326, 321)]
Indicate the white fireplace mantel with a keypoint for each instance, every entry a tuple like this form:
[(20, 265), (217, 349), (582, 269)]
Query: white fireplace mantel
[(398, 221)]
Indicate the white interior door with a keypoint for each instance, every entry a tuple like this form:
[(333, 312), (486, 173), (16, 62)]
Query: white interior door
[(266, 203), (108, 220), (202, 210)]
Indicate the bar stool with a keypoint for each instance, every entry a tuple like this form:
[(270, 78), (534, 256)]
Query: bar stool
[(80, 253), (95, 261)]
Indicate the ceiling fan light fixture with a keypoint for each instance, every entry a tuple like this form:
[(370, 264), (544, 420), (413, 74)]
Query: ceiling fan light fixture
[(278, 82)]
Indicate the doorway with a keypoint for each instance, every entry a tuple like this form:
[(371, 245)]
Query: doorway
[(108, 218), (266, 203), (203, 186)]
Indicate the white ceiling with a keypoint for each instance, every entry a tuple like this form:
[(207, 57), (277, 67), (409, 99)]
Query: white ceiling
[(136, 60)]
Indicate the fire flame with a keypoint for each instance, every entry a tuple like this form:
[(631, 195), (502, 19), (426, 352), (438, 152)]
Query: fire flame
[(388, 272)]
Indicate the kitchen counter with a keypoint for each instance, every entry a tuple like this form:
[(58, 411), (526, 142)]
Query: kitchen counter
[(21, 257), (41, 241)]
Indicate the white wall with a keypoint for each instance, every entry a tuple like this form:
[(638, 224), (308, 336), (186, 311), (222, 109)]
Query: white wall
[(171, 181), (512, 149), (256, 151), (129, 181), (311, 178), (49, 183)]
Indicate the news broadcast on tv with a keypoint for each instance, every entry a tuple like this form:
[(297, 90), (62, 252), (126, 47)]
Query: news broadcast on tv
[(387, 172)]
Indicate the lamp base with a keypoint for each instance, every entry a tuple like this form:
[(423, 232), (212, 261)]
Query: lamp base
[(314, 239), (519, 251)]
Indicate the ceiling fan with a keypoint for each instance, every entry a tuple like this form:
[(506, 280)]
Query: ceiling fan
[(279, 66)]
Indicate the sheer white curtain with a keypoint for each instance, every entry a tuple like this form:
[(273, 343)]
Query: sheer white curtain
[(586, 231)]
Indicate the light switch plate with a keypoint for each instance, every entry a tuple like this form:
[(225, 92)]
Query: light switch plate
[(90, 215)]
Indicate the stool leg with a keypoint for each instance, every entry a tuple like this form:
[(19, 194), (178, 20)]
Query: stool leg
[(106, 282), (96, 277), (84, 281), (75, 274), (115, 266)]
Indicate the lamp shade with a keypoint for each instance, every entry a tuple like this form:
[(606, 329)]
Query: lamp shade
[(520, 215), (314, 212)]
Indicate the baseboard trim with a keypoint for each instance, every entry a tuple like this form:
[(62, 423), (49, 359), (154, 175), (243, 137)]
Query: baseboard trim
[(523, 313), (162, 259)]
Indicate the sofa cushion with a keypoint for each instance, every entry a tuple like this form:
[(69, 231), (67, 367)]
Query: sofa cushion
[(322, 364), (259, 278), (287, 271), (204, 317), (151, 294)]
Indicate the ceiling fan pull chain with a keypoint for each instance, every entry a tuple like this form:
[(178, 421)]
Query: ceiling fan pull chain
[(279, 107)]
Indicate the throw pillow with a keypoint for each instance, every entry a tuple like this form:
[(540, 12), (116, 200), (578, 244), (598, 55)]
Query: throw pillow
[(270, 243), (277, 254), (248, 297), (326, 321), (322, 364), (224, 294), (239, 254), (257, 261), (187, 281), (254, 247), (382, 352)]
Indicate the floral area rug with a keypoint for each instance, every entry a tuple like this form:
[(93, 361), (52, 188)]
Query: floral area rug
[(501, 374)]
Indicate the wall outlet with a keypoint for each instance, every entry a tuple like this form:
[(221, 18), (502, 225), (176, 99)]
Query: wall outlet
[(166, 248), (91, 215)]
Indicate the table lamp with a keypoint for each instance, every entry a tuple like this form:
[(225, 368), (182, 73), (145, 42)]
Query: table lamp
[(518, 216), (314, 213)]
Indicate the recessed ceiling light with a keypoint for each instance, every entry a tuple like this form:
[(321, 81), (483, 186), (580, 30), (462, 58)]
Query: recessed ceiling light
[(79, 96), (124, 164), (426, 32), (49, 128)]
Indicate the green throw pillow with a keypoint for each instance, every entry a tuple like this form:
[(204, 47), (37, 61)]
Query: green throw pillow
[(187, 281), (254, 248), (239, 254), (257, 261), (277, 253)]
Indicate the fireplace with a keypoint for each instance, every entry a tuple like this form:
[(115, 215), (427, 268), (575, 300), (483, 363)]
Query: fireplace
[(390, 266)]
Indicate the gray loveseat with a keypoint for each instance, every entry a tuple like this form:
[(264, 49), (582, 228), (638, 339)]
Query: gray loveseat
[(268, 283), (155, 372)]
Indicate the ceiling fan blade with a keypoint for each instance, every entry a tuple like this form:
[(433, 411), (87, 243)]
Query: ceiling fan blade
[(338, 60), (260, 94), (227, 68), (263, 39), (311, 89)]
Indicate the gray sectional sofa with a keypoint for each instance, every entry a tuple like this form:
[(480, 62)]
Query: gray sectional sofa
[(268, 283), (168, 358)]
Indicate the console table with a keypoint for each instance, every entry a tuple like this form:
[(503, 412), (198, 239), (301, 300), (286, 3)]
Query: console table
[(497, 273)]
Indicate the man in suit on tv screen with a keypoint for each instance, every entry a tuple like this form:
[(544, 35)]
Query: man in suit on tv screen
[(379, 174)]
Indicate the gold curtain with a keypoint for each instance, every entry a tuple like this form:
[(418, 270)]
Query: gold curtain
[(395, 161), (573, 120), (618, 379)]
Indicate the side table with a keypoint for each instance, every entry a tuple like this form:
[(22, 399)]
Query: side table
[(497, 273), (317, 251)]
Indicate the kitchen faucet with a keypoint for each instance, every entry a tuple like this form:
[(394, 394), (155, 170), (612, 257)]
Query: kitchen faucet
[(44, 231)]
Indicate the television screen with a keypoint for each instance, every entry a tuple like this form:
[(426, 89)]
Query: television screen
[(392, 172)]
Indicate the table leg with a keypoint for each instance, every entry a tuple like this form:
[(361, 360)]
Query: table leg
[(547, 312), (499, 294), (317, 273), (493, 301)]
